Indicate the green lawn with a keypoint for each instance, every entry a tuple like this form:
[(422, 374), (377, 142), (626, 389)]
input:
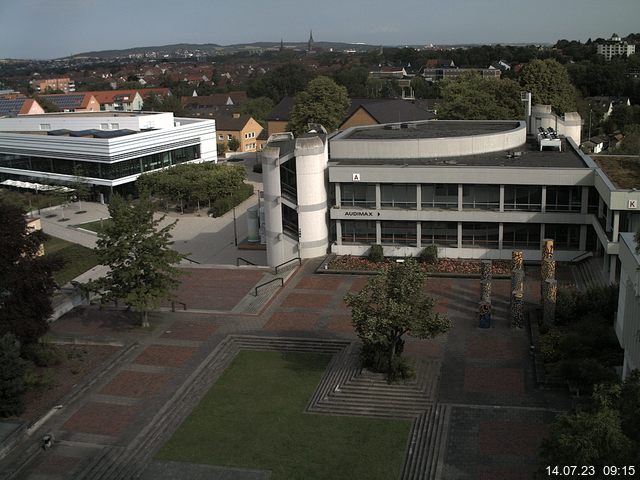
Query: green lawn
[(79, 258), (94, 226), (253, 418)]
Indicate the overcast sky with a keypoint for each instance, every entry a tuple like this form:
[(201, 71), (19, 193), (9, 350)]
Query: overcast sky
[(57, 28)]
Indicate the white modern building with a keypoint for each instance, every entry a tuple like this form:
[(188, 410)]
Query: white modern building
[(627, 324), (615, 47), (109, 150), (476, 189)]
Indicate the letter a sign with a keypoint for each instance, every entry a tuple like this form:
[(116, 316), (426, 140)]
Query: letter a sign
[(356, 177)]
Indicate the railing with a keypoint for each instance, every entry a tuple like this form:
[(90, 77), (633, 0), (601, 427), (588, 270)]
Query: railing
[(297, 259), (173, 306), (244, 260), (267, 283), (581, 257)]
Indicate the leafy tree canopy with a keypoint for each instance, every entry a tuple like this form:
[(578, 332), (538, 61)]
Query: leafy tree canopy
[(323, 102), (142, 271), (549, 83), (286, 80), (259, 108), (12, 369), (26, 280), (472, 97), (391, 305)]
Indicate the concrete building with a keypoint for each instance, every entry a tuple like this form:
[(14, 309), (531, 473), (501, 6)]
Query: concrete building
[(627, 324), (109, 150), (476, 189), (615, 47)]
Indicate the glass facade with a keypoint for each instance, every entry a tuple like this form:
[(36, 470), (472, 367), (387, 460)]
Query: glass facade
[(481, 197), (398, 195), (443, 234), (288, 180), (358, 195), (564, 199), (521, 235), (290, 221), (440, 196), (398, 233), (480, 235), (522, 198), (565, 237), (108, 171), (358, 232)]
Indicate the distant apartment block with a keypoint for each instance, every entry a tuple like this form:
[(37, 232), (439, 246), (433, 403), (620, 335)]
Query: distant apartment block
[(615, 47), (64, 84)]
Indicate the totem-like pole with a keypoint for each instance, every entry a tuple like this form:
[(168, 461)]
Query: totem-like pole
[(484, 308), (517, 289), (548, 283)]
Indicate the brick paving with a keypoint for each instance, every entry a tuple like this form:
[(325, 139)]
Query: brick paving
[(497, 415), (135, 384), (165, 355)]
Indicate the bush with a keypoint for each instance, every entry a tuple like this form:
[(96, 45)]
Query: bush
[(376, 253), (42, 354), (12, 368), (586, 372), (429, 254), (566, 308), (401, 369), (223, 205)]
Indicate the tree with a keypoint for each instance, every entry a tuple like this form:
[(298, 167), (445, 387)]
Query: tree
[(141, 263), (259, 108), (354, 79), (472, 97), (12, 369), (155, 103), (233, 144), (286, 80), (323, 101), (26, 280), (391, 305), (549, 84)]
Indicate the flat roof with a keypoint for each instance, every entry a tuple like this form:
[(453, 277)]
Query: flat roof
[(529, 156), (93, 114), (622, 170), (430, 129)]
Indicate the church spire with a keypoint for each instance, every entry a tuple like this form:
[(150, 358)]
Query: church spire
[(310, 42), (281, 44)]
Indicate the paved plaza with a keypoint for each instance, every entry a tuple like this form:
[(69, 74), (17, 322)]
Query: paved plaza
[(482, 378)]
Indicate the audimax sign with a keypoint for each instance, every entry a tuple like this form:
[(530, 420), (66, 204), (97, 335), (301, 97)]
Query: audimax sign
[(360, 213)]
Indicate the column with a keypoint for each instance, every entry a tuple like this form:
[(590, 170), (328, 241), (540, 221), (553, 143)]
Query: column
[(378, 232), (460, 195), (339, 232), (419, 234), (338, 195), (583, 238), (459, 234), (418, 197), (584, 206), (612, 268), (608, 220), (543, 206), (378, 197), (501, 205), (500, 237), (616, 225)]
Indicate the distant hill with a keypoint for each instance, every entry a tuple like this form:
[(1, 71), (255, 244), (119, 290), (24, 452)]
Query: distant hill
[(195, 49)]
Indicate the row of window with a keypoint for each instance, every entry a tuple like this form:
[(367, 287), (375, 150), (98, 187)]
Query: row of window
[(108, 171), (474, 197), (445, 234)]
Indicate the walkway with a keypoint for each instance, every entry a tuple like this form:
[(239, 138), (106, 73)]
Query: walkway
[(484, 418)]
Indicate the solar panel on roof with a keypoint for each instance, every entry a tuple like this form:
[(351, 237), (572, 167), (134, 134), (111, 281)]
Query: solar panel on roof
[(11, 107), (65, 101)]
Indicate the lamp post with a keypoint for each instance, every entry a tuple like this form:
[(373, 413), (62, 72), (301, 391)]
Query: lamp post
[(235, 231)]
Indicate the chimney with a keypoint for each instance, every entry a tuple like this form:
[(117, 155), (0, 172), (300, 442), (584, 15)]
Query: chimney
[(236, 114)]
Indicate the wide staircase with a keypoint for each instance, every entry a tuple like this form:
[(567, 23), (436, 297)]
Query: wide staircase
[(588, 273)]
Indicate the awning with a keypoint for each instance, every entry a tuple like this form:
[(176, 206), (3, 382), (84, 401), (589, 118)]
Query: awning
[(38, 187)]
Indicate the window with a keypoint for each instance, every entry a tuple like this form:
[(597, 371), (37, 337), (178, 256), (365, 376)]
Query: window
[(481, 197), (480, 235), (288, 180), (229, 136), (394, 233), (565, 237), (104, 126), (220, 137), (524, 198), (440, 196), (358, 195), (521, 235), (45, 126), (594, 197), (563, 199), (290, 221), (443, 234), (115, 126), (358, 232), (400, 195)]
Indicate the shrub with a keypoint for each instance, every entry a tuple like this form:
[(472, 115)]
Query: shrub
[(586, 372), (566, 307), (42, 354), (376, 253), (224, 204), (429, 254), (401, 369)]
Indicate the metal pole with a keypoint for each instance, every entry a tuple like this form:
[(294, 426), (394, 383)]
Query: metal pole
[(235, 231)]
